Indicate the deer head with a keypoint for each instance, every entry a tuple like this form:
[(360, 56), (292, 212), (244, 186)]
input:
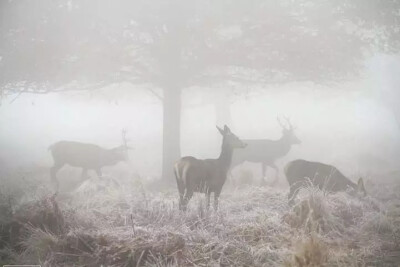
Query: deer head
[(230, 139), (357, 189), (288, 131), (121, 152)]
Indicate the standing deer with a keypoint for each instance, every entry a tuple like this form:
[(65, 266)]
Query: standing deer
[(85, 156), (300, 173), (208, 175), (266, 151)]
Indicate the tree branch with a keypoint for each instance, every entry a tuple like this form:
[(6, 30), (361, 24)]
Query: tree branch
[(155, 94)]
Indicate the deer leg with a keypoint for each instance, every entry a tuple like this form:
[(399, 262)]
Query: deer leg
[(264, 173), (99, 173), (231, 179), (276, 179), (84, 174), (216, 196), (208, 196), (186, 199), (53, 174), (181, 189), (181, 195)]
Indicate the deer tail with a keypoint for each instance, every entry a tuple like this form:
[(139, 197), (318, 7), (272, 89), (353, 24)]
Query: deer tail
[(181, 173), (179, 181), (176, 171)]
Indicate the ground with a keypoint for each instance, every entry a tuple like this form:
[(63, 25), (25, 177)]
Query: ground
[(129, 222)]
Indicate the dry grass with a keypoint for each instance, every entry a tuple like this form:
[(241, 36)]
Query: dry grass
[(125, 224), (311, 252)]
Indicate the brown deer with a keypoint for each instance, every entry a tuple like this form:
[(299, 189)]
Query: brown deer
[(266, 151), (300, 173), (85, 156), (208, 175)]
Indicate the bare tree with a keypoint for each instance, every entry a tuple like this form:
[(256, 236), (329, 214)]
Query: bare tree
[(167, 46)]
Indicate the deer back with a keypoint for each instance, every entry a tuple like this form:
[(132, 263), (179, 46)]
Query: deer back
[(259, 151), (84, 155), (318, 174), (200, 175)]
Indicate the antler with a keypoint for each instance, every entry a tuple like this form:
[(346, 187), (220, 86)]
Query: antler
[(124, 140), (288, 122), (289, 126), (281, 124)]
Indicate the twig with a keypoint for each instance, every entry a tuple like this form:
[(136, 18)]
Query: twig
[(133, 225), (140, 258), (15, 98), (155, 94)]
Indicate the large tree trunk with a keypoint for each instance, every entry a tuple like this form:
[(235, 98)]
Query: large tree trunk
[(171, 132)]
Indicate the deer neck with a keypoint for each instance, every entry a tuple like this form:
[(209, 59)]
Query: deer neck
[(285, 144), (351, 183), (109, 157), (225, 158)]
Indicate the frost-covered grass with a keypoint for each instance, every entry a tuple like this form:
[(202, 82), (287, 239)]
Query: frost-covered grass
[(110, 223)]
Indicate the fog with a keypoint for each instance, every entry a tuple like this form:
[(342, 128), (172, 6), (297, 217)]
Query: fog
[(199, 133), (169, 72), (344, 124)]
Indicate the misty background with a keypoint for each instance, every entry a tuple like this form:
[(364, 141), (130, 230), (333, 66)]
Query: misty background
[(169, 71)]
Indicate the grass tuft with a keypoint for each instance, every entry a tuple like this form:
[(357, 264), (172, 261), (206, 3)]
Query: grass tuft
[(310, 252), (125, 224)]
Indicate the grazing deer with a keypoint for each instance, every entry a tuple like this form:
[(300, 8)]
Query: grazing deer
[(266, 151), (208, 175), (85, 156), (300, 173)]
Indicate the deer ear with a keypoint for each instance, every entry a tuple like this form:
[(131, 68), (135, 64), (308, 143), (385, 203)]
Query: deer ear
[(221, 131), (226, 129)]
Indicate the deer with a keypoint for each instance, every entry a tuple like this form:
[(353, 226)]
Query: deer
[(206, 175), (300, 173), (85, 156), (267, 151)]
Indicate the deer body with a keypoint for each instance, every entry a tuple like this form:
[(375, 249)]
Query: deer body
[(262, 151), (266, 151), (85, 156), (300, 173), (208, 175)]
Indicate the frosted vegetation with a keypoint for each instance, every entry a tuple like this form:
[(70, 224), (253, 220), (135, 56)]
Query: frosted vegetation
[(130, 222)]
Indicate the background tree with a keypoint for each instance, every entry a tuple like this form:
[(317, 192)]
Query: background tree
[(385, 72), (167, 46)]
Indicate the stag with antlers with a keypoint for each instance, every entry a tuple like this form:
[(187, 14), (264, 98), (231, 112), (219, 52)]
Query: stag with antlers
[(267, 151)]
